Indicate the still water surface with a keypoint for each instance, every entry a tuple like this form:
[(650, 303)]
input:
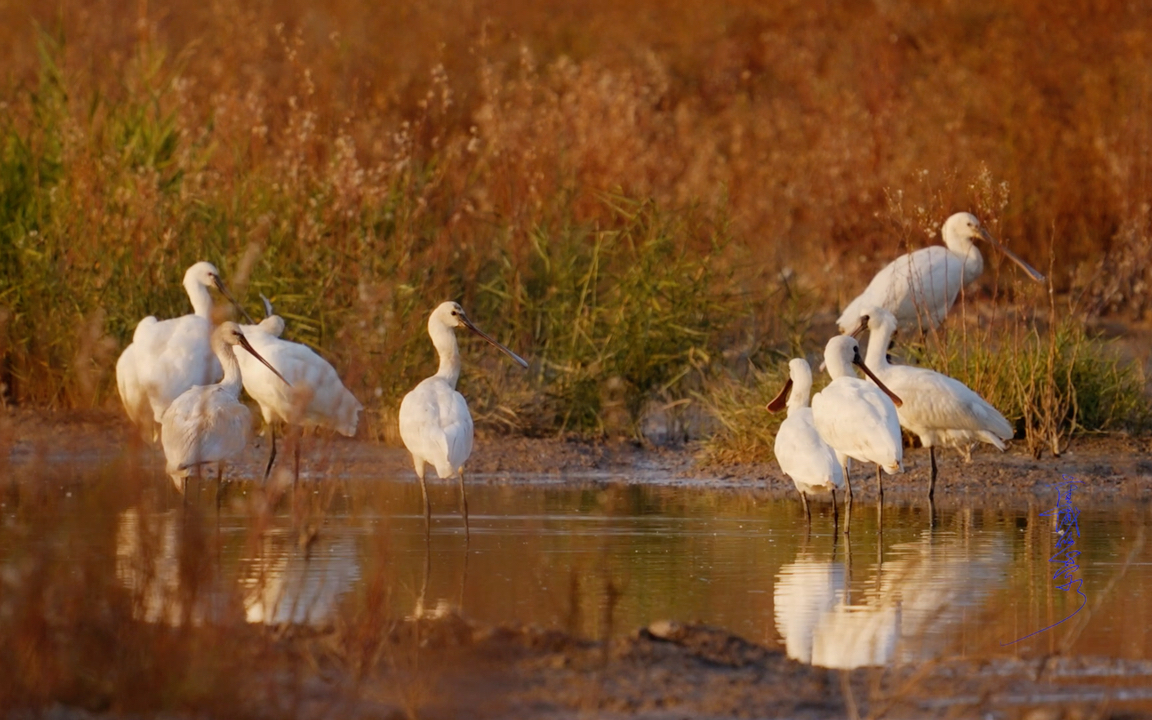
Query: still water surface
[(601, 557)]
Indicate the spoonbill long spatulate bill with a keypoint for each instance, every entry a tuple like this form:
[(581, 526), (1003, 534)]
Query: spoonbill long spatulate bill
[(939, 409), (166, 357), (435, 424), (800, 451), (857, 418), (208, 423), (920, 287), (316, 397)]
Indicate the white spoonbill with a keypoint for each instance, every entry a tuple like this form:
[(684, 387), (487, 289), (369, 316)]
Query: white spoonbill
[(315, 397), (939, 409), (857, 418), (920, 287), (435, 424), (166, 357), (800, 451), (208, 423)]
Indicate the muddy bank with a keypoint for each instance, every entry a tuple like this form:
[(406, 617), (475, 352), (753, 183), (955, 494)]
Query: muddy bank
[(450, 668), (1113, 469)]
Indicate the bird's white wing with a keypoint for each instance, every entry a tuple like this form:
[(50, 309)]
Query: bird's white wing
[(918, 288), (936, 401), (420, 427), (855, 424), (317, 397), (177, 355), (133, 393), (204, 424), (458, 431), (804, 456)]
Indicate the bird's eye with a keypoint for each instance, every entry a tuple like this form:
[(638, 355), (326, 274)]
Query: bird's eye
[(454, 313)]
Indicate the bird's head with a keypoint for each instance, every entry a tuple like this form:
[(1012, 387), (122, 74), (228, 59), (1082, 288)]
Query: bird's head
[(206, 274), (877, 320), (229, 333), (450, 314), (965, 226)]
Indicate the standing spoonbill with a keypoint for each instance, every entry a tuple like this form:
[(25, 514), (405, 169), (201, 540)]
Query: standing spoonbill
[(314, 395), (166, 357), (939, 409), (800, 451), (920, 287), (208, 423), (435, 424), (856, 418)]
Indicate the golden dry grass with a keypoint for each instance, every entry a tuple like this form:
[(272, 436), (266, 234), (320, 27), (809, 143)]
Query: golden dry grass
[(360, 162)]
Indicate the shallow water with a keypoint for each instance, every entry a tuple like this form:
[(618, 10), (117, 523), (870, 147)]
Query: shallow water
[(602, 555)]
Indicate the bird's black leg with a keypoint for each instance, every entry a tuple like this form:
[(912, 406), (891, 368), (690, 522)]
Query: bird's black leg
[(424, 493), (932, 475), (463, 502), (880, 484), (272, 456), (848, 503)]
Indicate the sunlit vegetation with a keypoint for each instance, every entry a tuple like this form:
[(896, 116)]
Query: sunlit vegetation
[(631, 195)]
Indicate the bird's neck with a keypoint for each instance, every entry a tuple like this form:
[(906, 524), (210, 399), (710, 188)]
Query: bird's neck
[(877, 356), (201, 299), (444, 338), (801, 389), (797, 400), (227, 357), (969, 255), (838, 367)]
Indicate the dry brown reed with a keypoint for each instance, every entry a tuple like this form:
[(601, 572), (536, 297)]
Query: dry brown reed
[(382, 158)]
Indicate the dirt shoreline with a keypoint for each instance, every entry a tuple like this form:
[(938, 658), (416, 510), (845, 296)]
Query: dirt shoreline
[(1113, 469)]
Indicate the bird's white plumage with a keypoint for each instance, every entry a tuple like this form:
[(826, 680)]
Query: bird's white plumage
[(316, 396), (854, 416), (208, 423), (941, 410), (920, 287), (435, 424), (166, 357), (800, 451)]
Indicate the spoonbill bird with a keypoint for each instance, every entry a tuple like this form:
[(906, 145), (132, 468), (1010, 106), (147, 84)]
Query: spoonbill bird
[(166, 357), (208, 423), (315, 397), (435, 424), (856, 418), (939, 409), (800, 451), (920, 287)]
